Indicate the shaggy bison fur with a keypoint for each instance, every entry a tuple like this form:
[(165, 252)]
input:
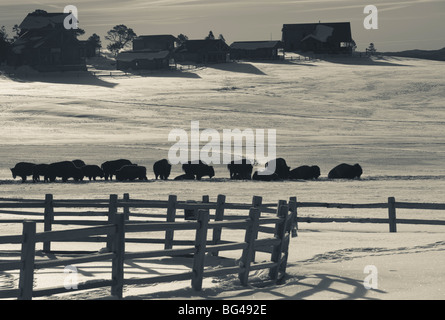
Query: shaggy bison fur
[(305, 173), (346, 171), (198, 169), (131, 172), (110, 167), (22, 170), (64, 170), (162, 169)]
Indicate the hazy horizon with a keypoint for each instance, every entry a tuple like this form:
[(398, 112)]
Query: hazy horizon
[(403, 25)]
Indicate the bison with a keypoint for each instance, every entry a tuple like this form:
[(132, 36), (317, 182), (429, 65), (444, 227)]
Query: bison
[(131, 172), (199, 169), (162, 169), (185, 177), (265, 177), (110, 167), (92, 171), (38, 171), (64, 170), (346, 171), (240, 170), (22, 170), (305, 173), (280, 167), (78, 163)]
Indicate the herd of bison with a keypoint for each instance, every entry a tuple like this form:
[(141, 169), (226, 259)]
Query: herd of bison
[(125, 170)]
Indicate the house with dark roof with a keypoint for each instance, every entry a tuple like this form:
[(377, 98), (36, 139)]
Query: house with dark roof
[(334, 37), (150, 52), (256, 50), (143, 60), (46, 45), (203, 51), (155, 42)]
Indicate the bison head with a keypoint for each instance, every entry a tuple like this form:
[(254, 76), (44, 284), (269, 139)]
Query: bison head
[(358, 170)]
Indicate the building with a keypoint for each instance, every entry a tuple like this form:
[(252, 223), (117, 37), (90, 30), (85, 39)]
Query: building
[(46, 45), (319, 37), (203, 51), (143, 60), (88, 49), (155, 43), (152, 52), (256, 50)]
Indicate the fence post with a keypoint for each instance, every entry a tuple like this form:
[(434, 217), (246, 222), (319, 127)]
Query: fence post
[(392, 214), (200, 249), (126, 207), (27, 259), (219, 216), (112, 211), (280, 229), (293, 221), (171, 214), (248, 254), (257, 202), (117, 268), (48, 219)]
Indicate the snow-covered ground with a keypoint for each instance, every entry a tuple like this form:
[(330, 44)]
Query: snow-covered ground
[(387, 114)]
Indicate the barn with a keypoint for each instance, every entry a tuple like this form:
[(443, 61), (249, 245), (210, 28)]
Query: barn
[(46, 45), (256, 50), (334, 37), (203, 51)]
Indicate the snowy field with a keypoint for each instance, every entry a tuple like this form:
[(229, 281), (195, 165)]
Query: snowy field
[(387, 114)]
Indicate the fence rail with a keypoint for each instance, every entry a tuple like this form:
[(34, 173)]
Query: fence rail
[(114, 232)]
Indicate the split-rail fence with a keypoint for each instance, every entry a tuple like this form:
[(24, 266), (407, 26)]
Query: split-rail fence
[(114, 233), (195, 216)]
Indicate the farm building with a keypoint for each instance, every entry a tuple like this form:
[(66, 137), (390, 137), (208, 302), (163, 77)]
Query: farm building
[(155, 43), (255, 50), (46, 45), (143, 60), (203, 51), (88, 49), (318, 37)]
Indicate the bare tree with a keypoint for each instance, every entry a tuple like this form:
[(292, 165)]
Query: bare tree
[(120, 37)]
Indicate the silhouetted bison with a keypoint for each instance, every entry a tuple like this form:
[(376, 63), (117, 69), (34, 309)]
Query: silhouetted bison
[(110, 167), (240, 170), (131, 172), (64, 170), (92, 171), (79, 163), (162, 169), (265, 177), (281, 167), (22, 170), (305, 173), (38, 171), (198, 169), (346, 171), (185, 177)]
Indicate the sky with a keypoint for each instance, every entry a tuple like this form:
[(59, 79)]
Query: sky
[(402, 25)]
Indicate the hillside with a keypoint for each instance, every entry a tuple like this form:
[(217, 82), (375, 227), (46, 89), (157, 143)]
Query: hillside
[(420, 54)]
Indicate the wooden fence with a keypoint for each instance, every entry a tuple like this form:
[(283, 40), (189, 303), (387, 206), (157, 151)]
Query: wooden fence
[(114, 228), (391, 206), (118, 226)]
